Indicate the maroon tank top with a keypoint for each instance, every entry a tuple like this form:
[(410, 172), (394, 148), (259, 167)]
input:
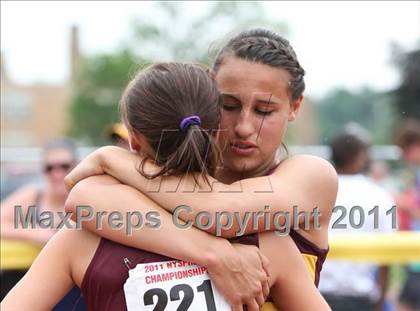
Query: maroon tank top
[(103, 283)]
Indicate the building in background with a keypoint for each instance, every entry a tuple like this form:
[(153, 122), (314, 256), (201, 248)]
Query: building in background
[(33, 114)]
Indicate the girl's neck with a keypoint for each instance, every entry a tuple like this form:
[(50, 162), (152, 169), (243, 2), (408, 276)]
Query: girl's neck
[(52, 201)]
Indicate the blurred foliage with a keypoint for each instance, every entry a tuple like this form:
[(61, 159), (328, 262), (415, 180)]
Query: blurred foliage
[(407, 95), (377, 112), (171, 32), (96, 94), (372, 110), (167, 31)]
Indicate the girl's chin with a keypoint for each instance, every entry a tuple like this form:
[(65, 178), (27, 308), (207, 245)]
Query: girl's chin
[(242, 165)]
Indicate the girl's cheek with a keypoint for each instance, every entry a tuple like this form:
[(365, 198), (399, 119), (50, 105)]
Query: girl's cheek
[(224, 120), (273, 130)]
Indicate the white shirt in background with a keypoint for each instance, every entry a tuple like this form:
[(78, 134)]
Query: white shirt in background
[(346, 277)]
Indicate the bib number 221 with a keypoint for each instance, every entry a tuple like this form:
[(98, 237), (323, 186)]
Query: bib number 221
[(174, 294), (172, 286)]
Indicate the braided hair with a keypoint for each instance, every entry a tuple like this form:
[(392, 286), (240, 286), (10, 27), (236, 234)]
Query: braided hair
[(265, 47)]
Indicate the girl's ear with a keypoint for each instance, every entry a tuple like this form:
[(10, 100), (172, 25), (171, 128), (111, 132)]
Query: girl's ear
[(294, 108), (135, 140), (139, 144)]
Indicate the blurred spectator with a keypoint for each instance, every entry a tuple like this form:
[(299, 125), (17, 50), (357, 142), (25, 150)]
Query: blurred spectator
[(379, 172), (59, 157), (408, 139), (348, 285), (408, 202)]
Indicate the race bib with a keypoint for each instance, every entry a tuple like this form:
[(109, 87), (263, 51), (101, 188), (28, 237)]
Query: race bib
[(172, 286)]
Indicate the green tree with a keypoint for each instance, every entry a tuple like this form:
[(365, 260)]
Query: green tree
[(172, 34), (407, 95), (96, 94), (181, 36), (372, 110)]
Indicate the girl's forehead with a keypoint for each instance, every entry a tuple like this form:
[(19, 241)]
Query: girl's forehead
[(238, 76), (265, 97)]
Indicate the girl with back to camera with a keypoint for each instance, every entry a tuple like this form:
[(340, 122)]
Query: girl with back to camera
[(261, 82), (184, 97)]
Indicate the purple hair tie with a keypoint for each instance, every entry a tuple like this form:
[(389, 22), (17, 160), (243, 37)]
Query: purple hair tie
[(187, 121)]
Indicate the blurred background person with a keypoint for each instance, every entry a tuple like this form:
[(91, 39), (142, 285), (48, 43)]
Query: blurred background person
[(380, 173), (408, 202), (58, 158), (408, 139), (349, 285)]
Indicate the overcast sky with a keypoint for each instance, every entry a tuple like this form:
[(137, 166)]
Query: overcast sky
[(339, 43)]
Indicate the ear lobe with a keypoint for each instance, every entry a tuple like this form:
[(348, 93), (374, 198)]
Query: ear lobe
[(292, 116), (134, 140), (294, 108)]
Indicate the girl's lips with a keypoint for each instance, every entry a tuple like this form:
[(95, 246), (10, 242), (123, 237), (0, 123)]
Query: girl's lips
[(243, 149)]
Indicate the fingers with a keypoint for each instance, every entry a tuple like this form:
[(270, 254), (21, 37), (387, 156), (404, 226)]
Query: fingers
[(237, 307), (252, 305), (68, 181), (265, 263), (260, 299), (266, 289)]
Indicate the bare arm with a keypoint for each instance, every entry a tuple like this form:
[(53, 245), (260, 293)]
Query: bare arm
[(234, 275), (103, 194), (24, 198), (303, 181), (292, 288), (46, 282)]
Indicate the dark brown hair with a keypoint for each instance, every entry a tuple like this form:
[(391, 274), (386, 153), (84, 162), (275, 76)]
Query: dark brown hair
[(408, 133), (345, 148), (154, 104), (265, 47)]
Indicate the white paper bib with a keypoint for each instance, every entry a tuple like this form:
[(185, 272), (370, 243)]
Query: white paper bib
[(172, 286)]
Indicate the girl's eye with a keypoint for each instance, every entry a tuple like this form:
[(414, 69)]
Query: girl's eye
[(263, 112), (230, 107)]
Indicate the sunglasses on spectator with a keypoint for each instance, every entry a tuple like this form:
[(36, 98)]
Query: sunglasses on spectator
[(48, 168)]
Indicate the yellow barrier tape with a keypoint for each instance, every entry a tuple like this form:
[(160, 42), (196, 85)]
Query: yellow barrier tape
[(18, 255), (380, 248)]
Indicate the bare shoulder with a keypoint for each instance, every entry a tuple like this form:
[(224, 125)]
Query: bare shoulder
[(26, 195), (79, 246), (23, 197), (310, 168), (306, 161), (74, 239), (314, 178)]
